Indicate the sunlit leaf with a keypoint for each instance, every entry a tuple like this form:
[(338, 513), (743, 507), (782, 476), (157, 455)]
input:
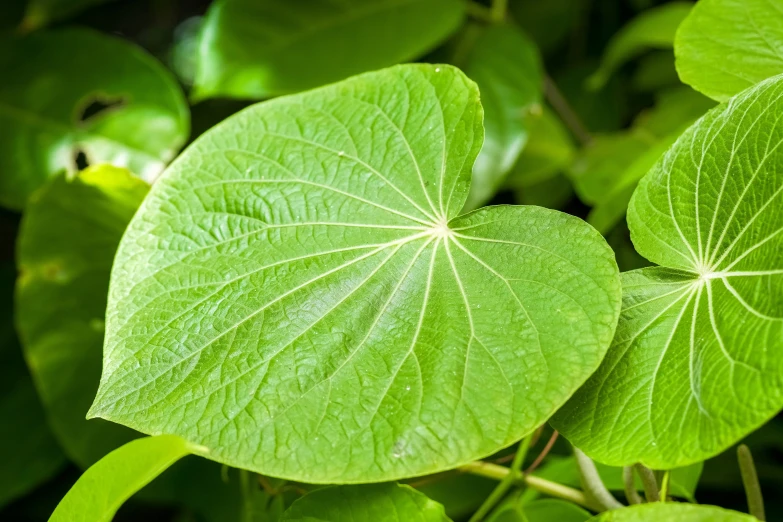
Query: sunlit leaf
[(296, 294), (50, 118), (103, 488), (256, 49), (29, 454), (68, 238), (506, 66), (672, 512), (697, 358), (376, 502), (725, 46), (652, 29)]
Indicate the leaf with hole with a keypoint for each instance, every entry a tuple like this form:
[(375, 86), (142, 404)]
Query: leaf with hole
[(725, 46), (698, 354), (100, 100), (103, 488), (256, 49), (506, 66), (376, 502), (69, 235), (292, 294)]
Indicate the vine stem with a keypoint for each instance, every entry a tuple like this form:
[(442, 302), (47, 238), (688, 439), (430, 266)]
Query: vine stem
[(497, 472), (543, 454), (502, 488), (498, 10), (665, 486), (592, 483), (750, 480), (631, 495), (567, 114), (648, 481)]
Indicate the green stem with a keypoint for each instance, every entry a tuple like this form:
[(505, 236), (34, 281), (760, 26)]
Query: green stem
[(592, 484), (565, 112), (648, 482), (246, 485), (665, 483), (497, 472), (498, 10), (480, 12), (502, 488), (631, 495), (750, 480)]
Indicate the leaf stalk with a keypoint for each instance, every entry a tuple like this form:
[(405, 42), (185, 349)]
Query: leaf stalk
[(750, 479), (592, 483)]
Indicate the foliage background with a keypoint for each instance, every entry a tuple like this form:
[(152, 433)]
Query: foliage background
[(572, 36)]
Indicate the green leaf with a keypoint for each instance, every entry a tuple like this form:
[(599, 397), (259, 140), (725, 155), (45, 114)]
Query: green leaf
[(461, 494), (313, 286), (553, 192), (548, 152), (256, 49), (697, 357), (552, 510), (42, 12), (655, 71), (549, 23), (749, 47), (506, 66), (103, 488), (67, 241), (653, 29), (48, 119), (672, 512), (29, 453), (376, 502)]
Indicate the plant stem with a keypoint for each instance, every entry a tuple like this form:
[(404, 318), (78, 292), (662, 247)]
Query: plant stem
[(498, 10), (497, 472), (566, 113), (750, 480), (543, 454), (480, 12), (246, 485), (631, 495), (502, 488), (649, 482), (592, 484), (665, 482)]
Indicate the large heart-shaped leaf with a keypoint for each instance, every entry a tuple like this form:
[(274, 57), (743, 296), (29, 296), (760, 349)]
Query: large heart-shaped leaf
[(260, 48), (67, 241), (298, 288), (697, 361), (54, 87), (672, 512), (725, 46), (376, 502)]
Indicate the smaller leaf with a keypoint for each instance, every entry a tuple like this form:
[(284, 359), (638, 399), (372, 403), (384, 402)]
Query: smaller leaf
[(377, 502), (672, 512), (552, 510), (653, 29), (103, 488), (255, 49), (749, 47), (506, 66)]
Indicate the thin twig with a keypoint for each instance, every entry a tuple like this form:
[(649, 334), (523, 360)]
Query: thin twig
[(750, 480), (494, 471), (502, 488), (629, 484), (648, 482), (592, 484), (543, 454), (566, 113)]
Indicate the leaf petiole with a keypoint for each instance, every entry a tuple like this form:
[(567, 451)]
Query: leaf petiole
[(501, 489)]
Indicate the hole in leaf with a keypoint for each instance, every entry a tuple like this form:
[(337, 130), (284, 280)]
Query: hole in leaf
[(99, 105), (80, 160)]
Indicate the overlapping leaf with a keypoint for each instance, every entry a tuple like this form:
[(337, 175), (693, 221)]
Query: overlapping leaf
[(672, 512), (50, 118), (256, 49), (376, 502), (299, 295), (697, 360), (68, 238), (725, 46)]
